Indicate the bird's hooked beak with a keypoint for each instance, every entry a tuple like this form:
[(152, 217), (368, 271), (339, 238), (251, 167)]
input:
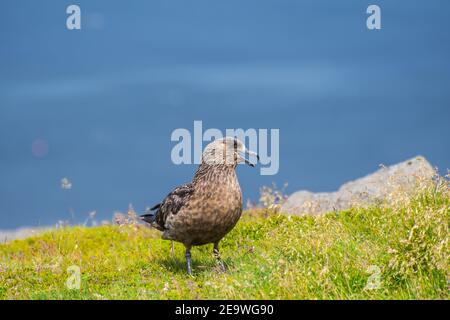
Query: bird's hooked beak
[(247, 153)]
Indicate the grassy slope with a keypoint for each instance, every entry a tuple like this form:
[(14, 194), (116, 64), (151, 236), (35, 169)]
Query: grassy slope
[(268, 256)]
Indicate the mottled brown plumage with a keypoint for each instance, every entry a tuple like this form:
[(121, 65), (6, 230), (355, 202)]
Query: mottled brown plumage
[(206, 209)]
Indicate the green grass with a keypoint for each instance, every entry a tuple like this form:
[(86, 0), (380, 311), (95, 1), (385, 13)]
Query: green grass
[(268, 256)]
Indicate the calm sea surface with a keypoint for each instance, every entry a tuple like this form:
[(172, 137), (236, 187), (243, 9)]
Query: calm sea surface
[(98, 105)]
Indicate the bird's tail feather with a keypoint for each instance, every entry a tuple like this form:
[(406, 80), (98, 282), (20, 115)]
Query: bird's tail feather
[(148, 217)]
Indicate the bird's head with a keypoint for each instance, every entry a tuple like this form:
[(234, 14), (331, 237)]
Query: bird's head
[(230, 151)]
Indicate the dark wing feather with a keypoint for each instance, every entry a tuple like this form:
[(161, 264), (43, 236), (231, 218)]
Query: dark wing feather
[(171, 204), (156, 207)]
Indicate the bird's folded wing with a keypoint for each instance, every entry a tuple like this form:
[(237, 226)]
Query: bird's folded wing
[(173, 203)]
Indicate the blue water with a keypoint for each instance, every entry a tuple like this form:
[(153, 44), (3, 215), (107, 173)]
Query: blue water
[(107, 98)]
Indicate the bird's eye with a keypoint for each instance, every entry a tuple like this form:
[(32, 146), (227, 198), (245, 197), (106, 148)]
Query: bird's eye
[(235, 143)]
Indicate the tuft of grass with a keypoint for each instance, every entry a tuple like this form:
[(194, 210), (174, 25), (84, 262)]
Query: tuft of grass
[(380, 252)]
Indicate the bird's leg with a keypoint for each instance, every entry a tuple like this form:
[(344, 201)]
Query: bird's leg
[(216, 251), (217, 256), (188, 260), (172, 250)]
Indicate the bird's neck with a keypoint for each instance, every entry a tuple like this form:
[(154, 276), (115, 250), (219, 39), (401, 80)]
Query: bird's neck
[(215, 172)]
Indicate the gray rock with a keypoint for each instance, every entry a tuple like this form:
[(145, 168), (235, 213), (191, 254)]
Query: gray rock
[(388, 184)]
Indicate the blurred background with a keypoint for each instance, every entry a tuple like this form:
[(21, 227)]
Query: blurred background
[(98, 105)]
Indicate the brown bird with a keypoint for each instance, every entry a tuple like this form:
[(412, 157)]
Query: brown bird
[(206, 209)]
